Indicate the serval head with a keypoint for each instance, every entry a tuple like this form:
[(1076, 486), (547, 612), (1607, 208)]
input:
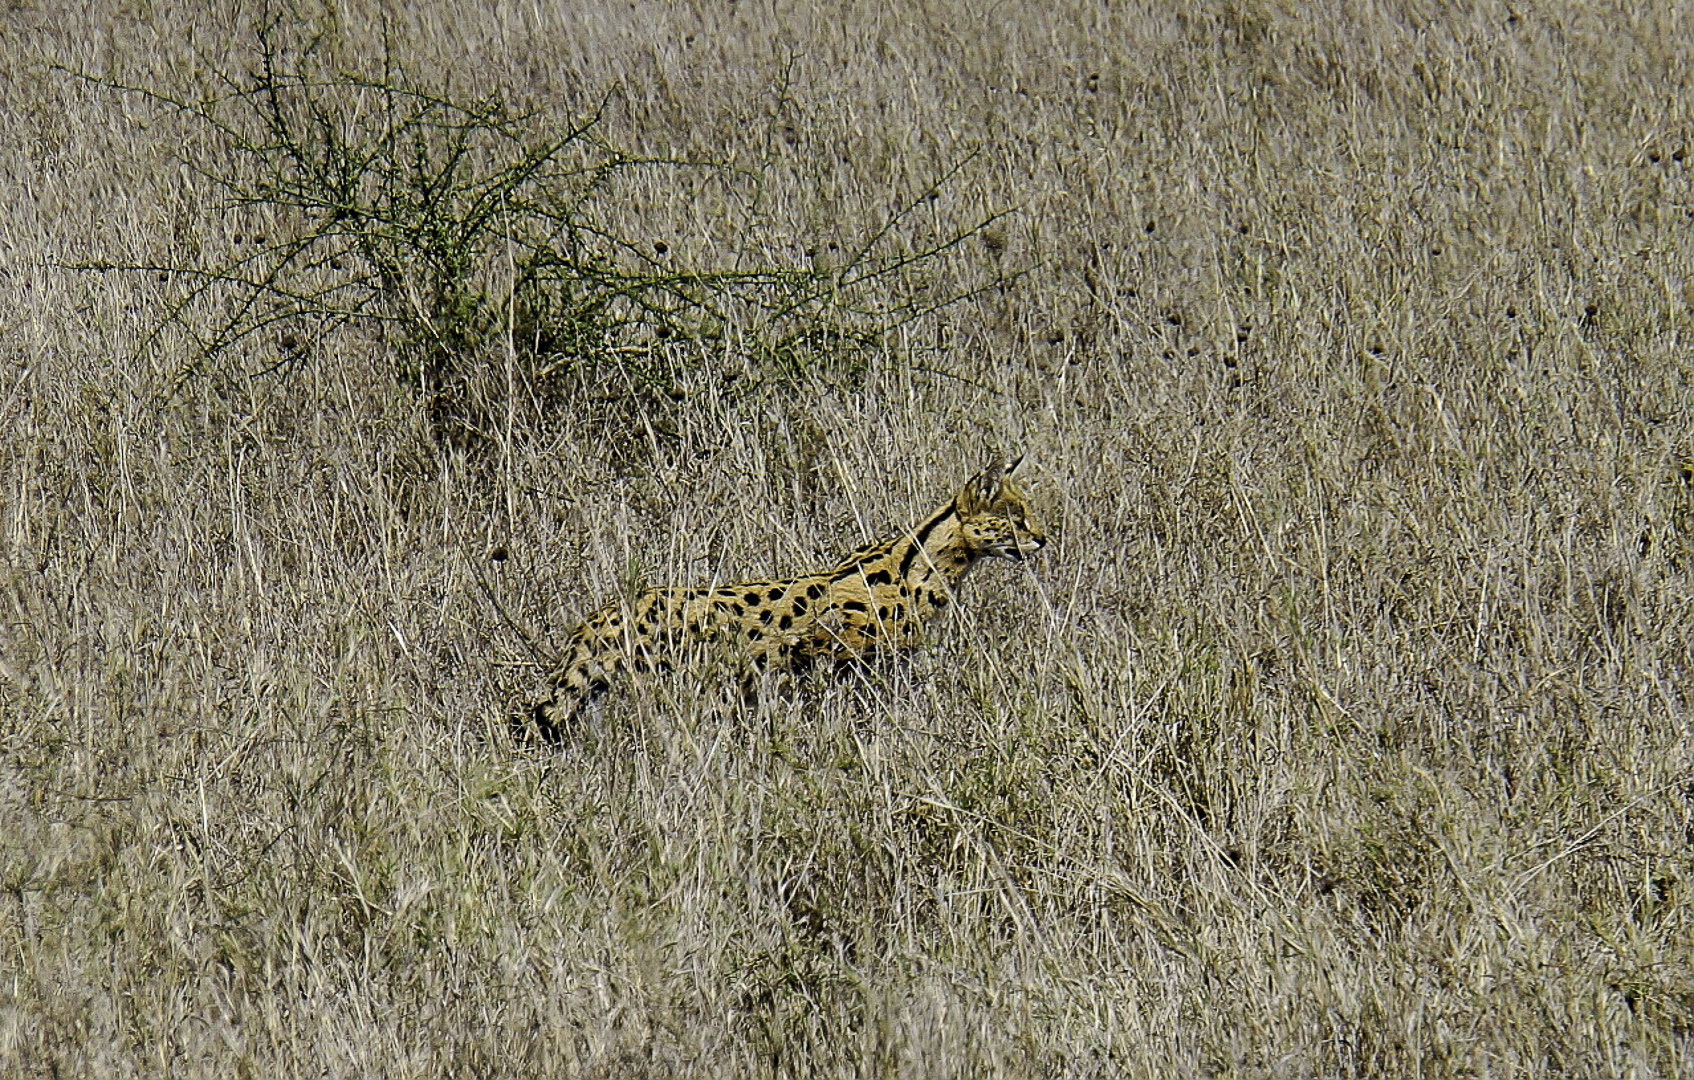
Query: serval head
[(994, 517)]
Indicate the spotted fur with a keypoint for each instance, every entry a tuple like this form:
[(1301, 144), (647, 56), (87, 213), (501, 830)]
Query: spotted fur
[(875, 599)]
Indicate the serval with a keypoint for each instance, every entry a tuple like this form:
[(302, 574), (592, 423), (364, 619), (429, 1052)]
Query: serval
[(875, 599)]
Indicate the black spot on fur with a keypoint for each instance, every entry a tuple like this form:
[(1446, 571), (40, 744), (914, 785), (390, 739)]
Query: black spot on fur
[(775, 594), (815, 590), (751, 598), (785, 622), (854, 605), (880, 577)]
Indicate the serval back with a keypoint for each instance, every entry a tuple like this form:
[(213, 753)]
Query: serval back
[(875, 599)]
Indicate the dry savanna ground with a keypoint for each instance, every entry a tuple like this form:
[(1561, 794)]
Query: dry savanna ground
[(1342, 729)]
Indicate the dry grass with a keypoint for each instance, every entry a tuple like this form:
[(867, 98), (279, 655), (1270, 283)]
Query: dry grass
[(1342, 731)]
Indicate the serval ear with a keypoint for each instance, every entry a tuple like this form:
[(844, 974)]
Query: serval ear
[(982, 489), (1013, 467)]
